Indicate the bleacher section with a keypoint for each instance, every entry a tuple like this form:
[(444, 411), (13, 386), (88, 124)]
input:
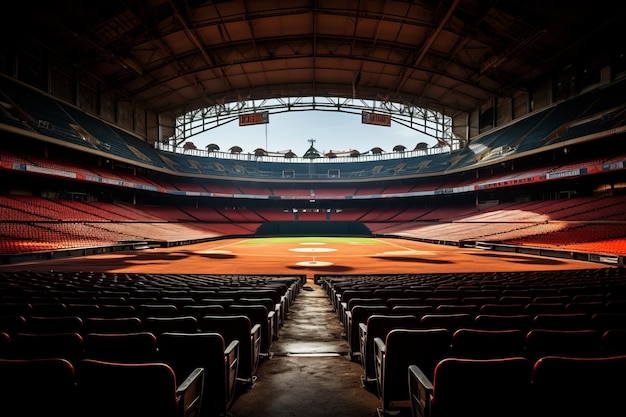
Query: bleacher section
[(587, 114)]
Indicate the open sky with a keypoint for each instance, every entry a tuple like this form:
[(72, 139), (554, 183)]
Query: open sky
[(331, 130)]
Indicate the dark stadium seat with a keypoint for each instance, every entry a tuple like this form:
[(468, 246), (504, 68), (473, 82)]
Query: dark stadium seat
[(54, 324), (258, 314), (137, 389), (186, 351), (47, 345), (354, 317), (379, 325), (241, 329), (545, 342), (563, 321), (112, 324), (614, 342), (162, 324), (579, 387), (488, 344), (37, 387), (402, 348), (132, 347), (449, 321), (482, 387), (6, 348), (502, 321)]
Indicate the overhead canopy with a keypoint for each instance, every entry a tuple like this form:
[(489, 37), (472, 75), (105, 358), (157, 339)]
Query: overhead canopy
[(175, 56)]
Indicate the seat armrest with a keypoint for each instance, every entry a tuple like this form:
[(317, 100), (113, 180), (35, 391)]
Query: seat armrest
[(362, 329), (362, 338), (255, 331), (420, 391), (231, 354), (379, 345), (189, 393), (232, 349)]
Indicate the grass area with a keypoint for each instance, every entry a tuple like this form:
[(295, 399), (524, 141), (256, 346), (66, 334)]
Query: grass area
[(347, 240)]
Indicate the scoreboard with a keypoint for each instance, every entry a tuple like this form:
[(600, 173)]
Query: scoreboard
[(254, 118)]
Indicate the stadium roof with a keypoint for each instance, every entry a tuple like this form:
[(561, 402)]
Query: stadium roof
[(173, 56)]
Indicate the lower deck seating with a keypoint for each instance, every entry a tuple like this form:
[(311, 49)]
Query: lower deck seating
[(515, 386)]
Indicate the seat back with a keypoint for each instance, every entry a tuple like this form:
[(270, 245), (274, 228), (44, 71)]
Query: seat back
[(112, 324), (545, 342), (123, 389), (240, 328), (359, 314), (12, 323), (199, 310), (608, 320), (132, 347), (186, 351), (54, 324), (157, 325), (614, 342), (487, 344), (379, 325), (404, 347), (66, 345), (156, 310), (481, 387), (117, 310), (37, 387), (450, 321), (503, 321), (562, 321), (577, 387), (258, 314)]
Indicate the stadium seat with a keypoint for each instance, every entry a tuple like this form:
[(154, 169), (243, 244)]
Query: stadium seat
[(112, 324), (137, 389), (131, 347), (239, 328), (503, 321), (449, 321), (48, 345), (54, 324), (487, 344), (404, 347), (379, 325), (472, 387), (579, 387), (186, 351), (37, 387), (162, 324), (546, 342), (359, 314)]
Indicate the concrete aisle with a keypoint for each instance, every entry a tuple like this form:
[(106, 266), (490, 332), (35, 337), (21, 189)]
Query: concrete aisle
[(310, 373)]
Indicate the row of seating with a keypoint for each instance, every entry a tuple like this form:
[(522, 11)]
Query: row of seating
[(54, 386), (357, 319), (393, 323), (425, 349), (517, 387), (228, 356), (495, 340), (192, 326)]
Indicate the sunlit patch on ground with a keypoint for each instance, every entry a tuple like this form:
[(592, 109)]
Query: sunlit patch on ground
[(406, 253)]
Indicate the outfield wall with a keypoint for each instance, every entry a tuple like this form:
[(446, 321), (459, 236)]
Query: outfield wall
[(313, 228)]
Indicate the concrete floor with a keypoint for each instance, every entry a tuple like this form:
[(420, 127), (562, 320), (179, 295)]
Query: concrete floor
[(309, 373)]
